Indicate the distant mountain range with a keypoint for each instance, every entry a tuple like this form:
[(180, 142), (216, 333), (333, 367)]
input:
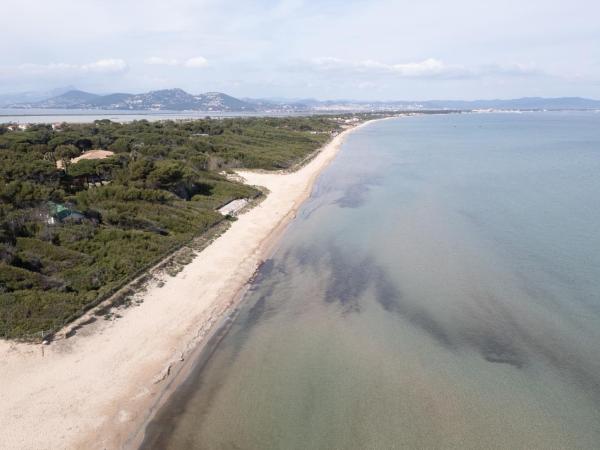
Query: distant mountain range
[(179, 100), (168, 99), (31, 96)]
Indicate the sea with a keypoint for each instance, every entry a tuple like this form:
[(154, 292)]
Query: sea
[(439, 289), (48, 115)]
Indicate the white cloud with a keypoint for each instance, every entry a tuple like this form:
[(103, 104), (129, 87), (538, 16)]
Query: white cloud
[(38, 69), (428, 68), (158, 61), (29, 76), (514, 69), (197, 61), (106, 66), (100, 66)]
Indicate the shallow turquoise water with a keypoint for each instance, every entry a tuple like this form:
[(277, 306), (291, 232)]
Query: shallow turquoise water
[(440, 289)]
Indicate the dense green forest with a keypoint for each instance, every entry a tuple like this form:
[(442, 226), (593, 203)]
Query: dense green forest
[(72, 235)]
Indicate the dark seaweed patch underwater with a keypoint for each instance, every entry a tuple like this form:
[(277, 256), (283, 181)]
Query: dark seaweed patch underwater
[(440, 289)]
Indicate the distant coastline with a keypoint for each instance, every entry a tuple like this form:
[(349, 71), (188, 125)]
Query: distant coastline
[(172, 101), (40, 116), (44, 116)]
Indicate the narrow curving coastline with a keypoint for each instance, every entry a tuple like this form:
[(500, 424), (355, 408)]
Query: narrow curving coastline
[(414, 303), (95, 390)]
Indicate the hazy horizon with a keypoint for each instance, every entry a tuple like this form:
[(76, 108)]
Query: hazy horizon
[(375, 50), (295, 98)]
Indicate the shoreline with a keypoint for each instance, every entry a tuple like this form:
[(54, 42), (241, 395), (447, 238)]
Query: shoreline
[(99, 388)]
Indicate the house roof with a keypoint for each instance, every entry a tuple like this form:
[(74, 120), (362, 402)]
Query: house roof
[(61, 212)]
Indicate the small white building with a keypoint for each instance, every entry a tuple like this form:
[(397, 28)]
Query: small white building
[(233, 207)]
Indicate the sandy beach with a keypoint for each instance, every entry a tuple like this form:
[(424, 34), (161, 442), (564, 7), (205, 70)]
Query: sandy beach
[(92, 390)]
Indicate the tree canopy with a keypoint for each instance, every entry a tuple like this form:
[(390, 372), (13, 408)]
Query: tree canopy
[(160, 189)]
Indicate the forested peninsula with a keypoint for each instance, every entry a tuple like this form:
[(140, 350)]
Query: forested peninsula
[(85, 207)]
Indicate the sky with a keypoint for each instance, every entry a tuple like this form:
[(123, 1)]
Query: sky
[(325, 49)]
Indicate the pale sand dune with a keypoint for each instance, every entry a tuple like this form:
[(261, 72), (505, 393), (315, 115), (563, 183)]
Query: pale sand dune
[(93, 154), (90, 154), (92, 390)]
